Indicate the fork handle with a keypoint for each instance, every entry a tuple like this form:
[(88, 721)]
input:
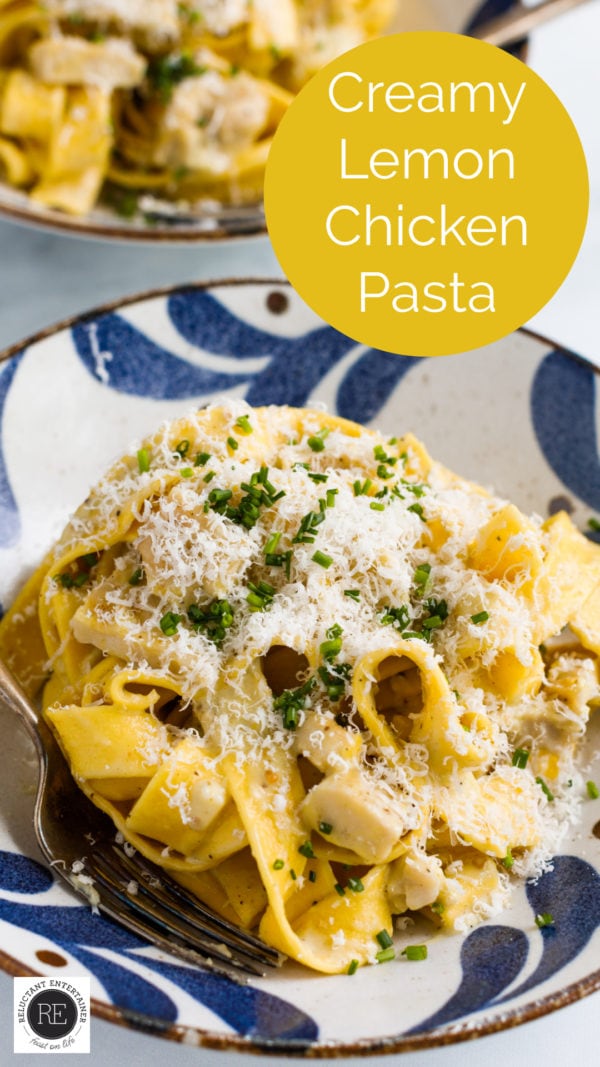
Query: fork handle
[(519, 21), (14, 697)]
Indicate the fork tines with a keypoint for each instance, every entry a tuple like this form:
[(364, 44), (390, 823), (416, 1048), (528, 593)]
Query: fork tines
[(144, 898)]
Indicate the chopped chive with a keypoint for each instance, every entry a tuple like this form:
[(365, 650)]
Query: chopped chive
[(322, 559), (272, 543), (137, 577), (418, 510), (325, 828), (594, 524), (547, 792), (317, 441), (520, 757), (384, 939), (260, 595), (291, 701), (293, 874), (592, 790), (383, 472), (306, 849), (209, 477), (280, 559), (218, 497), (333, 646), (481, 616), (316, 477), (356, 885), (398, 617), (212, 621), (543, 919), (244, 424), (508, 860), (422, 575), (438, 907), (330, 497), (382, 457), (354, 594), (433, 622), (308, 529), (202, 459), (374, 506), (361, 489), (386, 955), (233, 444), (341, 892), (353, 967), (182, 448), (278, 865), (169, 623), (143, 458), (312, 876), (415, 952), (186, 472)]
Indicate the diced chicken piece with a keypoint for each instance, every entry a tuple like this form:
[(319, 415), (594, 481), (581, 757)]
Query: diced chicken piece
[(111, 64), (574, 679), (154, 21), (210, 119), (361, 815), (414, 881), (274, 24), (327, 745), (221, 16), (208, 796)]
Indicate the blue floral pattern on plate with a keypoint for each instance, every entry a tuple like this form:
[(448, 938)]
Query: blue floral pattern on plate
[(156, 357)]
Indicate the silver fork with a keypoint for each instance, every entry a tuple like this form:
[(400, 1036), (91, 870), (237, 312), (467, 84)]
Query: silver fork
[(79, 842)]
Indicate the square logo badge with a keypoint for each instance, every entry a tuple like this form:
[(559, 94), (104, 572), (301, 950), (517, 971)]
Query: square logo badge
[(52, 1015)]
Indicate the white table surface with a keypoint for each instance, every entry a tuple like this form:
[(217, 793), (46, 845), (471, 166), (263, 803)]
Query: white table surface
[(45, 278)]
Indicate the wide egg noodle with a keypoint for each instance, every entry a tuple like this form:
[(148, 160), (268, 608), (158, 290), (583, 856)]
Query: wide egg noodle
[(157, 98)]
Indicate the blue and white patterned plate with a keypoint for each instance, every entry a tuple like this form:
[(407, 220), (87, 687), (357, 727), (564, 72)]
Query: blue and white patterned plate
[(519, 416)]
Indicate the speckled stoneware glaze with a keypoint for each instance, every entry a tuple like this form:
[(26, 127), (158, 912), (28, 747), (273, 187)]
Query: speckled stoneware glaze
[(519, 416)]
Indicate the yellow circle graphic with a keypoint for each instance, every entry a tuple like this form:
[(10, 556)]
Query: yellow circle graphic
[(426, 193)]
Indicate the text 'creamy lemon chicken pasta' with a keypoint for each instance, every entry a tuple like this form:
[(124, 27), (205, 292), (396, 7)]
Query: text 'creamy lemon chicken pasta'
[(175, 100), (316, 676)]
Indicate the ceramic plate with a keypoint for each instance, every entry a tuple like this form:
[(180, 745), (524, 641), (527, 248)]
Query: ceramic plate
[(519, 416), (164, 223)]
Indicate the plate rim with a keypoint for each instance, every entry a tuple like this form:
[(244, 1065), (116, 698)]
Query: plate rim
[(81, 317), (329, 1049), (85, 227)]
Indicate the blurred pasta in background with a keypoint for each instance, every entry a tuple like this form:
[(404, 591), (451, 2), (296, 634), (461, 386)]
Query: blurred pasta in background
[(178, 100)]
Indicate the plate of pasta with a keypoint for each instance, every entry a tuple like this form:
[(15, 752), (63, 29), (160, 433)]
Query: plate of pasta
[(152, 119), (339, 691)]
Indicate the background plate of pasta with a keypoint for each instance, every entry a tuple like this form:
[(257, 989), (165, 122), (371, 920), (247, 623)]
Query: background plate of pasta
[(341, 690), (152, 119)]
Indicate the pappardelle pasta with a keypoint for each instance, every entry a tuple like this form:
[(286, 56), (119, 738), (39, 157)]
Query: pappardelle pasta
[(175, 100), (316, 676)]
